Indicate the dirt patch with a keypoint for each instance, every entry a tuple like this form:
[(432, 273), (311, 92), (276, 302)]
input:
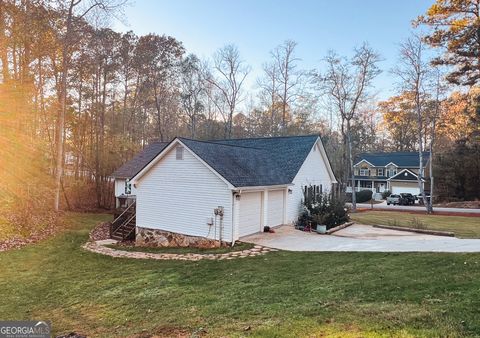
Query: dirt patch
[(464, 204), (72, 335), (100, 232)]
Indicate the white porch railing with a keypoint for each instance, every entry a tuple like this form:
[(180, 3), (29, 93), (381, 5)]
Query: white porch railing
[(349, 189)]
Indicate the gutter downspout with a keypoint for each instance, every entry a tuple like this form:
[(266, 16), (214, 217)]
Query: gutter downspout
[(234, 194)]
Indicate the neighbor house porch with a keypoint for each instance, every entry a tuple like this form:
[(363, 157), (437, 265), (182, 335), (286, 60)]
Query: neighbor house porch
[(376, 186)]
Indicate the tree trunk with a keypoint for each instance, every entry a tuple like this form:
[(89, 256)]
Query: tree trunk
[(352, 172), (3, 43), (60, 128)]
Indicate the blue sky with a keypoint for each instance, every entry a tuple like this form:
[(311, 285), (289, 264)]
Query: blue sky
[(257, 26)]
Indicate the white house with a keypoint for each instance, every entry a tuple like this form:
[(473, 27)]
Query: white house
[(224, 189)]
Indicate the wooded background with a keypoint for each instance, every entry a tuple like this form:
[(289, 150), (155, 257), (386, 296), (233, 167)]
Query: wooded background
[(78, 99)]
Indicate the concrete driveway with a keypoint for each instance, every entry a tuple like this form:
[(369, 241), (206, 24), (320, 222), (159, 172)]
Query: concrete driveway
[(360, 237)]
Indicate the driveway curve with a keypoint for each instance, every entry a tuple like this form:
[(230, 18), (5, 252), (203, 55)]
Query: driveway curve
[(359, 237)]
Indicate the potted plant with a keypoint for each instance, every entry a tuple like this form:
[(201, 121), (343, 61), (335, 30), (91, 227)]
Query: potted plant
[(321, 227)]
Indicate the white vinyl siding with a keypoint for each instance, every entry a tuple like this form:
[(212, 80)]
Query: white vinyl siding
[(250, 213), (180, 195), (275, 207), (313, 172)]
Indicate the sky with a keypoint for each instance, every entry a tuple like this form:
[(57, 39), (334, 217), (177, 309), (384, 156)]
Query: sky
[(258, 26)]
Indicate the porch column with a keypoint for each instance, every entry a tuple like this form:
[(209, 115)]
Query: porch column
[(373, 187), (358, 186), (264, 209), (285, 203)]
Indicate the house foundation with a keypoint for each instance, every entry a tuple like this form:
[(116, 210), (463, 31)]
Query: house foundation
[(161, 238)]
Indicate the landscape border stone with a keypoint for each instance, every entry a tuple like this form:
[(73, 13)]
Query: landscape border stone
[(339, 227), (101, 248), (420, 231)]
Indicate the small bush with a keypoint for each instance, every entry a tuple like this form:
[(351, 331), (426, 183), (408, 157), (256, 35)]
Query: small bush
[(417, 223), (363, 196), (386, 193)]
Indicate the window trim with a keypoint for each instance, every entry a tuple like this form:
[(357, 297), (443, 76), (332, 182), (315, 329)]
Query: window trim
[(367, 171), (378, 172)]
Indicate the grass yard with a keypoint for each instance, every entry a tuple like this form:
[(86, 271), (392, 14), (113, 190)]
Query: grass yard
[(281, 294), (239, 246), (462, 226)]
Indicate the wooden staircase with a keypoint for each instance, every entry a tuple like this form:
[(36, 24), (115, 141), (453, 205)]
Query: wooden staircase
[(123, 227)]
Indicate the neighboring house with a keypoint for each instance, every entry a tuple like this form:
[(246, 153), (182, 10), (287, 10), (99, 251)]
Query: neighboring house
[(395, 171), (239, 185)]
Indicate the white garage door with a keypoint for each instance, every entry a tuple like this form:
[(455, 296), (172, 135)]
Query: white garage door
[(250, 213), (411, 190), (275, 207)]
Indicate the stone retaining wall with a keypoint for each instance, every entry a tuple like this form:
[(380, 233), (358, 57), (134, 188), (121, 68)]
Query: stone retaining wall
[(161, 238)]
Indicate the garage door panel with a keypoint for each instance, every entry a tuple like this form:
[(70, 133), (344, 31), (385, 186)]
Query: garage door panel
[(397, 189), (275, 207), (250, 213)]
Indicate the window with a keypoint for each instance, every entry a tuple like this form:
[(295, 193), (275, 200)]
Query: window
[(179, 151), (391, 172), (380, 172), (128, 187), (364, 172)]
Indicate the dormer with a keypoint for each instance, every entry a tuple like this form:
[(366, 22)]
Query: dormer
[(391, 169)]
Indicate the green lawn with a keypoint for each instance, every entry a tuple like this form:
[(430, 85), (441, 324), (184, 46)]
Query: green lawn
[(281, 294), (463, 227), (239, 246)]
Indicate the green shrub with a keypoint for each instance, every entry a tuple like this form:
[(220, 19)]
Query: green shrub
[(386, 193), (363, 196), (323, 209)]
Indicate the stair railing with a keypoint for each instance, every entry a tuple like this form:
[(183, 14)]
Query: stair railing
[(120, 220)]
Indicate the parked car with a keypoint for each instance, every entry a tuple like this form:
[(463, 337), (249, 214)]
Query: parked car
[(420, 198), (407, 198), (394, 199)]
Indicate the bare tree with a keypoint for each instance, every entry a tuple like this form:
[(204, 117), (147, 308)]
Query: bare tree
[(191, 86), (269, 87), (439, 90), (414, 71), (231, 72), (74, 11), (346, 81), (289, 77)]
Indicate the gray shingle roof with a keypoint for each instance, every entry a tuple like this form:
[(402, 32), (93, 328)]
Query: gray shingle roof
[(132, 167), (255, 161), (400, 158)]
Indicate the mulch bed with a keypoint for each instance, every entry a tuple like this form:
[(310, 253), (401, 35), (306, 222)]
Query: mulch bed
[(100, 232)]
